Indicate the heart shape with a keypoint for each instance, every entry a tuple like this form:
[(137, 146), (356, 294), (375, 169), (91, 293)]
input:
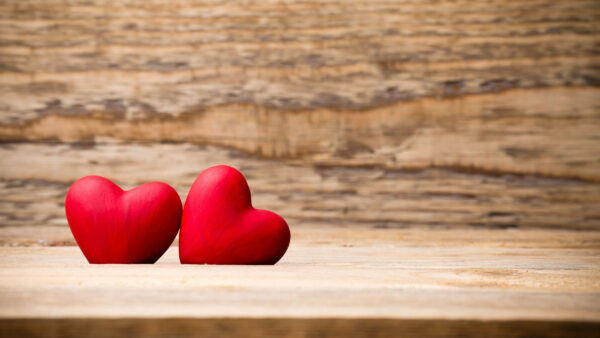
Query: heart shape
[(115, 226), (220, 226)]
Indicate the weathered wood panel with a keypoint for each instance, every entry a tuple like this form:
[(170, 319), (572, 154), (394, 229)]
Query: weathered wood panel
[(390, 113), (36, 178), (394, 83), (416, 148), (549, 132)]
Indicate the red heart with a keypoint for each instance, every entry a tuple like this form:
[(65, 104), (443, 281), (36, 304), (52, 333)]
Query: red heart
[(220, 226), (115, 226)]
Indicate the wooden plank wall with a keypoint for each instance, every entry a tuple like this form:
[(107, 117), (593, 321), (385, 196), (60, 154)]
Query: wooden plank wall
[(385, 113)]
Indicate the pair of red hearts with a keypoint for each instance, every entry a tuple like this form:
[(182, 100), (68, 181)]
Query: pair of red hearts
[(218, 223)]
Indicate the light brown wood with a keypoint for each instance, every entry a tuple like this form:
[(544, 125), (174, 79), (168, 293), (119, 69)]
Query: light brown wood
[(437, 161), (498, 86), (36, 178), (389, 113), (518, 132), (328, 272), (333, 282)]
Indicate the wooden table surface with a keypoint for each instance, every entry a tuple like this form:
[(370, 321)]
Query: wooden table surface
[(504, 278)]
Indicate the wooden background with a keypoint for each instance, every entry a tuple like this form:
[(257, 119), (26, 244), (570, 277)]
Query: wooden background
[(389, 113), (405, 115)]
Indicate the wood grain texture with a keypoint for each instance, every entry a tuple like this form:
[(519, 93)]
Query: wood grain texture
[(36, 178), (327, 273), (518, 132), (333, 282), (291, 328), (492, 86), (438, 162)]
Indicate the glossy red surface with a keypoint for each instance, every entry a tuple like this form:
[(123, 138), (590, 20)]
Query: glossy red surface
[(115, 226), (220, 226)]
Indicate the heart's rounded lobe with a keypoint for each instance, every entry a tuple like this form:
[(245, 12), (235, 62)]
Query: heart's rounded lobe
[(115, 226), (220, 226)]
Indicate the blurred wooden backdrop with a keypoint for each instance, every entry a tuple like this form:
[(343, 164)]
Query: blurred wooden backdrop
[(384, 113)]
